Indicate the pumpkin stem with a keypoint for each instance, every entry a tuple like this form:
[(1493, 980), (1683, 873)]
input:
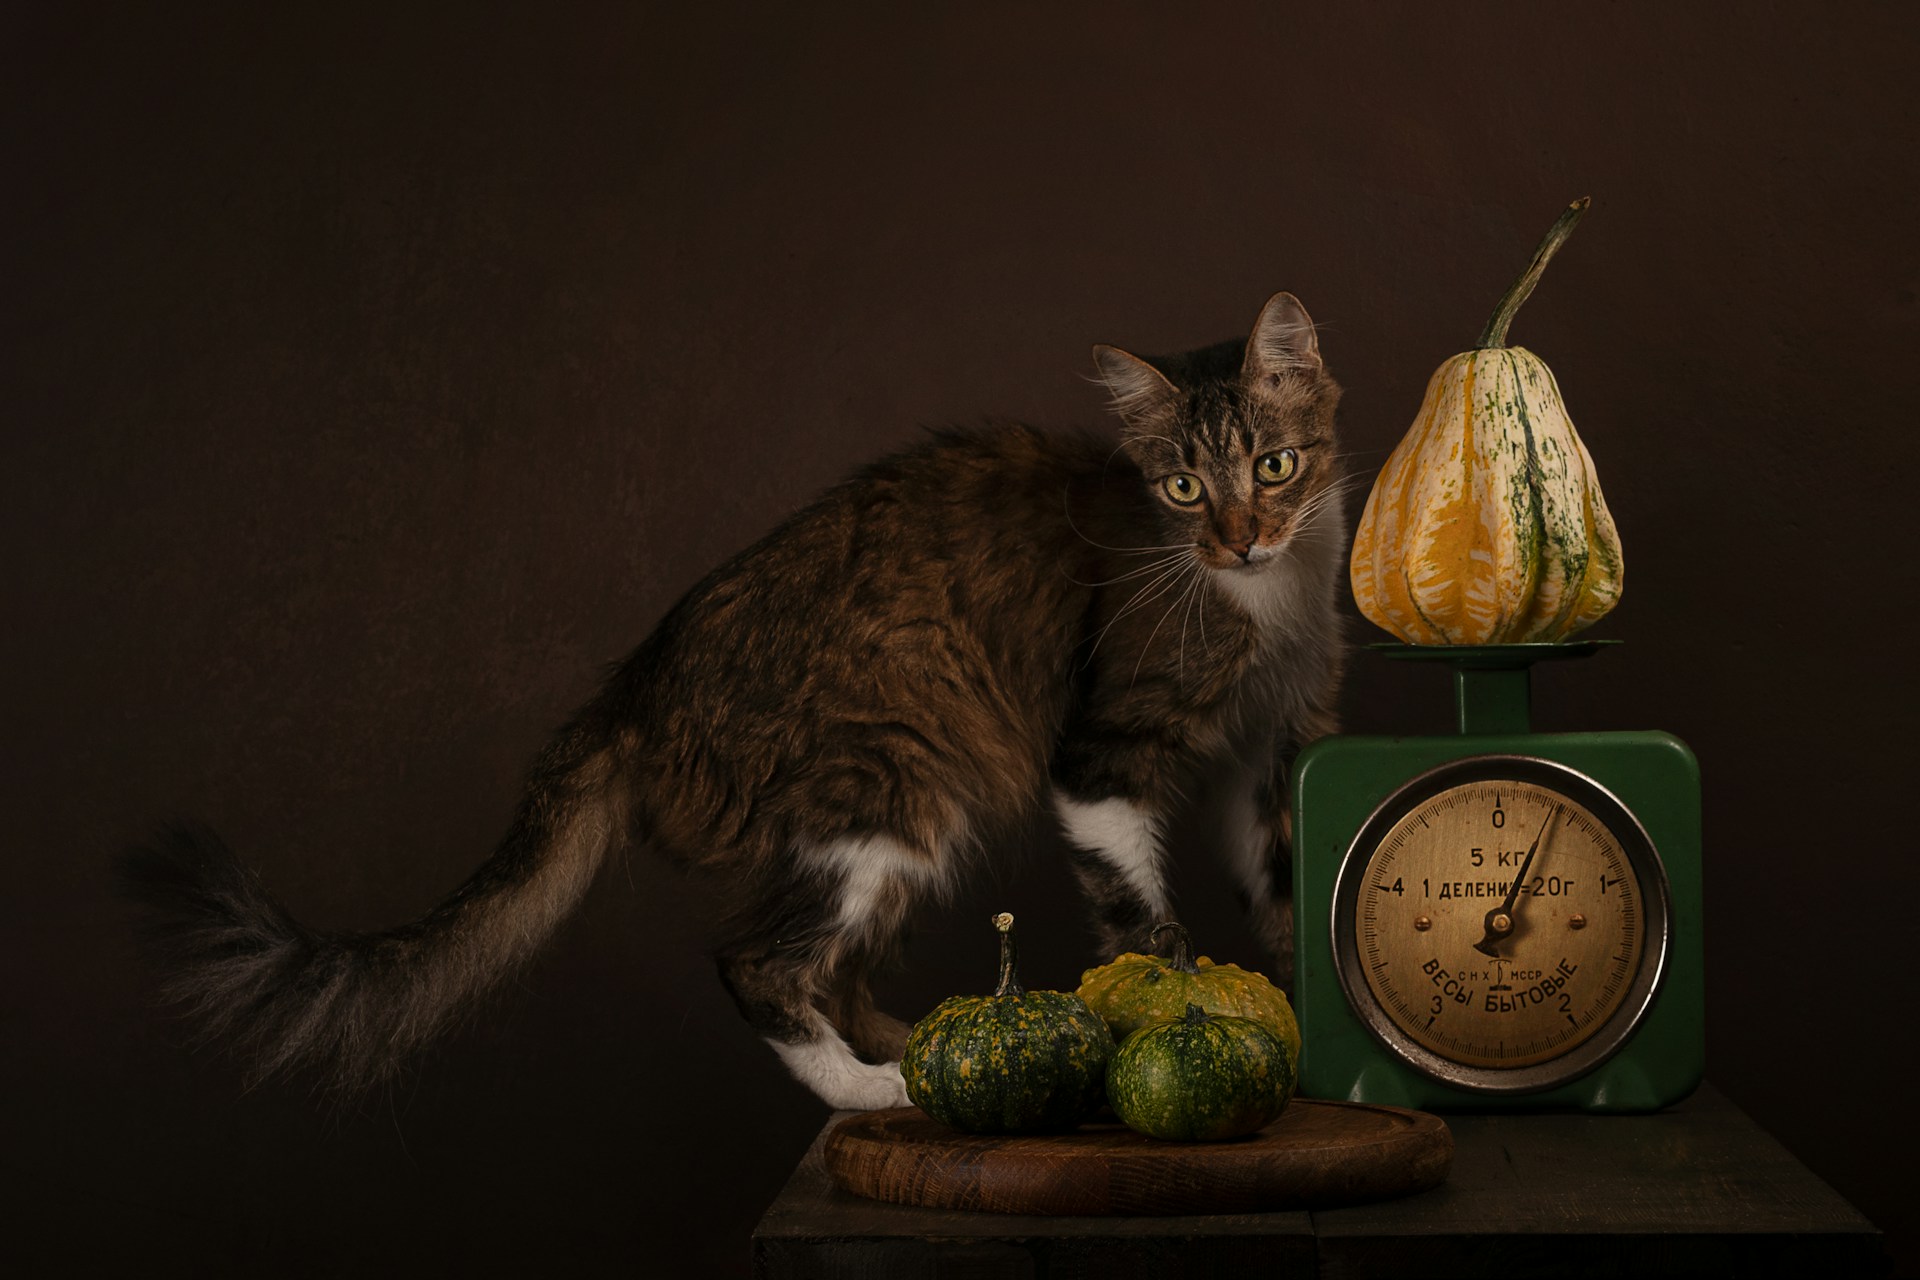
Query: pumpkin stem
[(1182, 957), (1495, 334), (1009, 976), (1195, 1015)]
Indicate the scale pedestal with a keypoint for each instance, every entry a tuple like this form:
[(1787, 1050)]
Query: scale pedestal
[(1397, 1008)]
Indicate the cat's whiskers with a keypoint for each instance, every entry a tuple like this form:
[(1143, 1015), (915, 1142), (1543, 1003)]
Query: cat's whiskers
[(1066, 509), (1344, 484), (1337, 489), (1158, 587), (1195, 592), (1150, 567), (1335, 494), (1167, 579), (1194, 571), (1117, 449), (1301, 522), (1203, 620)]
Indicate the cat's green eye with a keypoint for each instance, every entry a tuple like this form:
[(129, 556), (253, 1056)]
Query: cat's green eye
[(1183, 488), (1276, 467)]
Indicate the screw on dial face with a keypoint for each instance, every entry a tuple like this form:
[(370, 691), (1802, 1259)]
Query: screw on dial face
[(1540, 986)]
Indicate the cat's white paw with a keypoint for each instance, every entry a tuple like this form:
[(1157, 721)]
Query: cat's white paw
[(885, 1088), (863, 1087), (841, 1080)]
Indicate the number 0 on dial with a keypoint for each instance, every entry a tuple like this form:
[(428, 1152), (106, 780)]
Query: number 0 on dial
[(1501, 924)]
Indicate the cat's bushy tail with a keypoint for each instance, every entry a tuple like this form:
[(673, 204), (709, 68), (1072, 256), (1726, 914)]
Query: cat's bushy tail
[(352, 1006)]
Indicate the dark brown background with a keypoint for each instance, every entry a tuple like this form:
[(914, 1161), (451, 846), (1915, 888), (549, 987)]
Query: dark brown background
[(373, 379)]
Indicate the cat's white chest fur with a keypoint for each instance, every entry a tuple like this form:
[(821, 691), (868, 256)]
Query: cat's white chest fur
[(1274, 594), (1288, 595), (1287, 590)]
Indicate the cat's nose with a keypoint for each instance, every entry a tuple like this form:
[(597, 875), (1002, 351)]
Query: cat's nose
[(1237, 532)]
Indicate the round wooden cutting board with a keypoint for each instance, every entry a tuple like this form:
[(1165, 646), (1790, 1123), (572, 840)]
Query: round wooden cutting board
[(1316, 1153)]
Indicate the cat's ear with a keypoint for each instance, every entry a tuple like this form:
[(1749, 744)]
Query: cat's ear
[(1283, 342), (1137, 387)]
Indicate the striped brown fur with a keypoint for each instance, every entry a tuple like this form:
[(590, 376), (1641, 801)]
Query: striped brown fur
[(836, 718)]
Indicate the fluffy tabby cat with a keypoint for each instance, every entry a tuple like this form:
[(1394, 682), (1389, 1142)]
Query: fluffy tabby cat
[(835, 718)]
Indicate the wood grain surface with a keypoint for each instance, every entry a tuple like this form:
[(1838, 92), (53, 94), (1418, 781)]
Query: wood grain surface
[(1317, 1153)]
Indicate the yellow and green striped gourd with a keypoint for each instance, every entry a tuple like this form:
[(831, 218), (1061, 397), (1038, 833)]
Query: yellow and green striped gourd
[(1487, 525)]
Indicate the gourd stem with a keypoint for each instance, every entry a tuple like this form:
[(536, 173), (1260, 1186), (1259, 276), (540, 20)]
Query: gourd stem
[(1182, 957), (1495, 334), (1009, 958)]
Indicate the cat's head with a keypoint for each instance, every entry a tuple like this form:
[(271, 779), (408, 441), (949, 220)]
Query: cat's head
[(1235, 441)]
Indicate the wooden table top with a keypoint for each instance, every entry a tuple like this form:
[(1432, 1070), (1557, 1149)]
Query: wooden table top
[(1697, 1188)]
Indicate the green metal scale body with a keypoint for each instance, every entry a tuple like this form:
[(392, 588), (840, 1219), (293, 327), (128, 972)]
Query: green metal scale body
[(1498, 918)]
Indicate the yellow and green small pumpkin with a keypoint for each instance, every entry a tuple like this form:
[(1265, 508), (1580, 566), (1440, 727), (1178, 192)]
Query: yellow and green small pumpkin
[(1136, 991), (1201, 1078), (1016, 1061)]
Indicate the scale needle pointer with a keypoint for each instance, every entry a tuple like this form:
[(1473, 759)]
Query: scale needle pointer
[(1499, 921)]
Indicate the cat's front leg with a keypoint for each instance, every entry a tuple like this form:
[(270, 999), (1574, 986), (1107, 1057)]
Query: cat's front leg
[(1119, 859), (1257, 838)]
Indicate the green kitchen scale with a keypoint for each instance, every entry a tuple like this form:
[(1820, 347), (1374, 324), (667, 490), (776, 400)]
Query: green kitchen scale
[(1498, 918)]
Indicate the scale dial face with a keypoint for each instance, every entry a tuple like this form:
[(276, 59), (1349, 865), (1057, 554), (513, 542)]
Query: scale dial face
[(1501, 924)]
